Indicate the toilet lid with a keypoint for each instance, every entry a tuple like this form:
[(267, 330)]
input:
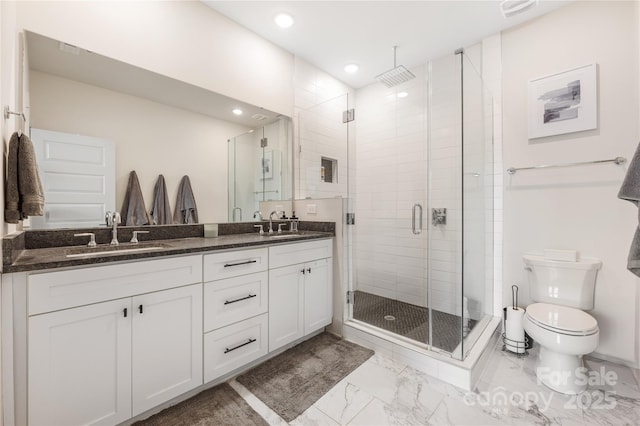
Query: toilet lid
[(562, 319)]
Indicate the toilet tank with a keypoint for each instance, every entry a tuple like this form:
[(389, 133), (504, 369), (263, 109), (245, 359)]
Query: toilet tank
[(562, 283)]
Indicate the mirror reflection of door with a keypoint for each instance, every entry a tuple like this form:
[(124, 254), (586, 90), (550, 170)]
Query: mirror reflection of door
[(78, 178)]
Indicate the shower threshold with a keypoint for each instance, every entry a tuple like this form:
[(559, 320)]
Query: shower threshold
[(463, 374)]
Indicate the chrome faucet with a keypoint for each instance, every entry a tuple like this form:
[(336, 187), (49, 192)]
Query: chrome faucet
[(259, 214), (113, 219), (276, 212), (233, 214)]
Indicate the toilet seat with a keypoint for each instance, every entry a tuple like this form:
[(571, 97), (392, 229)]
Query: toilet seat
[(562, 319)]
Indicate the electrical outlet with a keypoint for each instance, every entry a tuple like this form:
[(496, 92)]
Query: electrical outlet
[(312, 209)]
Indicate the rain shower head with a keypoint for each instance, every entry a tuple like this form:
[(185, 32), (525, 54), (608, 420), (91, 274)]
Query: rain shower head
[(396, 75)]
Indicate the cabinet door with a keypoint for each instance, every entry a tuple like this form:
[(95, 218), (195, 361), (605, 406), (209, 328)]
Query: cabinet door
[(318, 295), (286, 301), (80, 365), (167, 345)]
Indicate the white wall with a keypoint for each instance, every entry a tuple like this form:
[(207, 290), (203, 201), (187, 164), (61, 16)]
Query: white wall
[(8, 89), (576, 208), (185, 40), (150, 138)]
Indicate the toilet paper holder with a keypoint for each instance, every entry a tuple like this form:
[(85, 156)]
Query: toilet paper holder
[(513, 332), (520, 347)]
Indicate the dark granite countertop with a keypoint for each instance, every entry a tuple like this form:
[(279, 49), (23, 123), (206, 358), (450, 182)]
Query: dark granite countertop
[(24, 258)]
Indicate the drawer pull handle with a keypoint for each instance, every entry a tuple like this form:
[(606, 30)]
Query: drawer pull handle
[(226, 265), (125, 312), (140, 309), (228, 302), (227, 350)]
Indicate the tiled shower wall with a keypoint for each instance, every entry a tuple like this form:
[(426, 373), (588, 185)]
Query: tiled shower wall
[(391, 177), (320, 132)]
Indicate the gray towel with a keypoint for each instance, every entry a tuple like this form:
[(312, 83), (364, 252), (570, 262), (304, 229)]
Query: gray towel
[(160, 210), (630, 191), (24, 196), (186, 210), (133, 212)]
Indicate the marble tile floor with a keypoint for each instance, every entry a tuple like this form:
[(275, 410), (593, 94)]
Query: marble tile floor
[(385, 392)]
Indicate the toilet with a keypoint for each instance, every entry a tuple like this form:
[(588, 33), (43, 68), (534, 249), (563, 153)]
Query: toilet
[(562, 291)]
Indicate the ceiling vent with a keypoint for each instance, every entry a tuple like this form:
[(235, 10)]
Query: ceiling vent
[(511, 8), (259, 117), (69, 48)]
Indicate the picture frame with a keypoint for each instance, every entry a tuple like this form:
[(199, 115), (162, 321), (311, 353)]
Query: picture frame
[(565, 102), (267, 165)]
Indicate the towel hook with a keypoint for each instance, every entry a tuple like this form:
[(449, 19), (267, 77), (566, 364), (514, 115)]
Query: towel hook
[(8, 113)]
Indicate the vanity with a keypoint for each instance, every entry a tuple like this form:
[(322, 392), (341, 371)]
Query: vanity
[(103, 339)]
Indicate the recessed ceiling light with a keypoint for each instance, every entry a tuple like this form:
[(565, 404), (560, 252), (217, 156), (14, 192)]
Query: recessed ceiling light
[(283, 20), (402, 94), (237, 111), (351, 68)]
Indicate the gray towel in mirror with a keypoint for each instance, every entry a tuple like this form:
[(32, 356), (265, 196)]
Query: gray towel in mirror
[(186, 210), (24, 196), (160, 210), (630, 191), (133, 212)]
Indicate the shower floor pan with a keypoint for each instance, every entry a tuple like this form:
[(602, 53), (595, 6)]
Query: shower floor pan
[(409, 320)]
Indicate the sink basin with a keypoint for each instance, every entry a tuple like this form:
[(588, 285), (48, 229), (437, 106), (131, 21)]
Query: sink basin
[(280, 235), (113, 250)]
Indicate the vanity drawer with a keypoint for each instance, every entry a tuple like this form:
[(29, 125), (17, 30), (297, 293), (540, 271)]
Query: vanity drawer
[(52, 291), (229, 264), (291, 254), (233, 346), (235, 299)]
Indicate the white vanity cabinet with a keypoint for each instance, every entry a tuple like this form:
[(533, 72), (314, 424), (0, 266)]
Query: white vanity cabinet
[(102, 344), (80, 365), (235, 310), (102, 363), (300, 290)]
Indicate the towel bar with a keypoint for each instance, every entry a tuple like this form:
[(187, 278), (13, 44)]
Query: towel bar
[(617, 161)]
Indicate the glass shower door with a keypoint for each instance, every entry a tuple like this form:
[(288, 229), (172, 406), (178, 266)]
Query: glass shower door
[(477, 201), (389, 272)]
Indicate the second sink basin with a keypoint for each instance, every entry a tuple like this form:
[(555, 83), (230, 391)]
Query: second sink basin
[(113, 250)]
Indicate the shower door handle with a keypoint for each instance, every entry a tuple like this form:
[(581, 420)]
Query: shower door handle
[(416, 230)]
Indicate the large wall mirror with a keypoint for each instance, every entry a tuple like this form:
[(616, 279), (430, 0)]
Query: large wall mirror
[(155, 125)]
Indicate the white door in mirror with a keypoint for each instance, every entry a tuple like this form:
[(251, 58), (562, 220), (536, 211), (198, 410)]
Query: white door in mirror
[(78, 179)]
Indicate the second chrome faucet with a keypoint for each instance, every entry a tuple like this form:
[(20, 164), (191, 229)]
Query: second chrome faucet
[(113, 219)]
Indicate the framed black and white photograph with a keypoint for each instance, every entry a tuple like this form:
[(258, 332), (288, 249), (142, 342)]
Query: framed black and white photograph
[(562, 103), (267, 165)]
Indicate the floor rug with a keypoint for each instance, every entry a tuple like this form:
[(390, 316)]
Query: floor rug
[(218, 406), (291, 382)]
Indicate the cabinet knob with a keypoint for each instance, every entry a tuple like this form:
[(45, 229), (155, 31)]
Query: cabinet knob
[(309, 270), (125, 312), (140, 308)]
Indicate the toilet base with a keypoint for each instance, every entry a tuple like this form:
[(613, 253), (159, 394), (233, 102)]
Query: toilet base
[(559, 372)]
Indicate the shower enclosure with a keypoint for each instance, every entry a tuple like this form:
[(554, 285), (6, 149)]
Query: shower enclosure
[(416, 165), (259, 168)]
